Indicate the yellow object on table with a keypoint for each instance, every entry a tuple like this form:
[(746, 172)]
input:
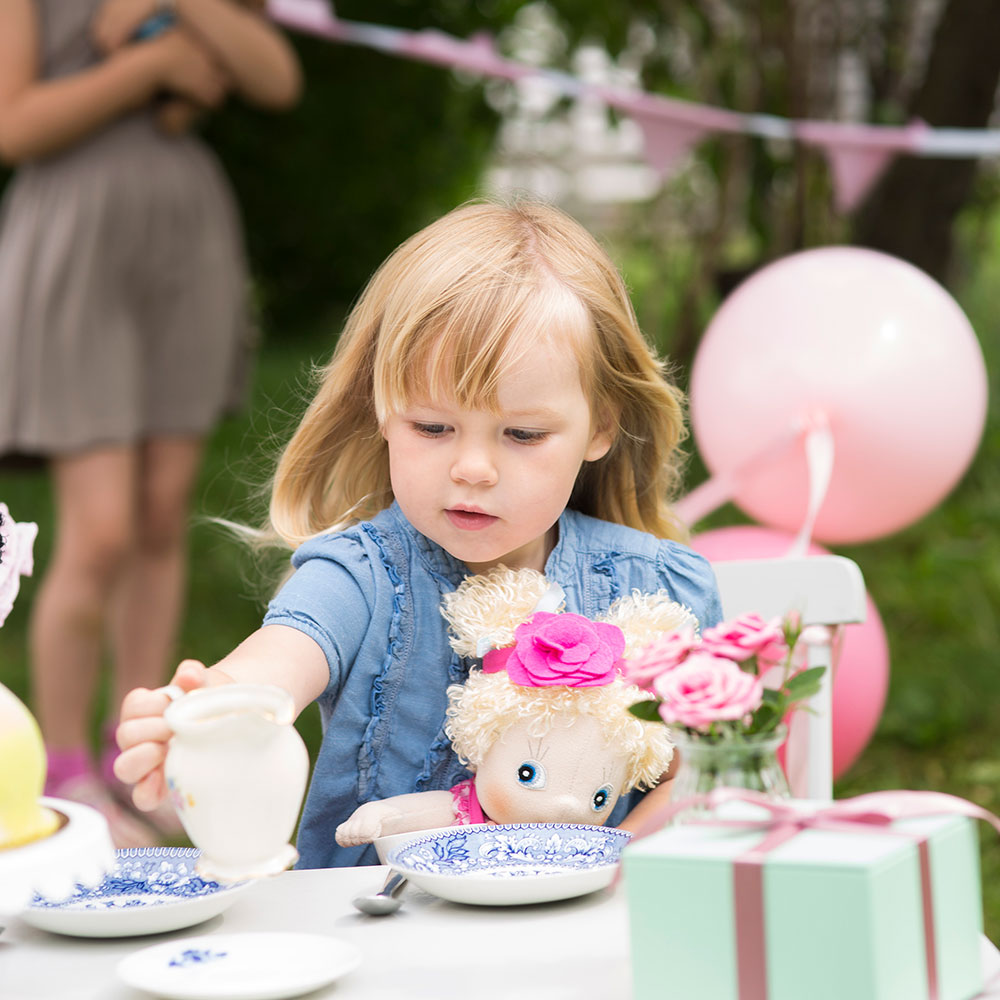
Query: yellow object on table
[(22, 776)]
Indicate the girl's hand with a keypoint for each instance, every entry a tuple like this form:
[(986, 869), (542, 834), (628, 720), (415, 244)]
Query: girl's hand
[(188, 70), (116, 21), (143, 734)]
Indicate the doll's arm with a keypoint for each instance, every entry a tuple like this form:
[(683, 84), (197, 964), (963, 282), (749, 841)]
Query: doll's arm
[(399, 814), (274, 654), (40, 117)]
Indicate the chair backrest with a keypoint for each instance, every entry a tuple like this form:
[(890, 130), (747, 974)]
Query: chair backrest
[(825, 590)]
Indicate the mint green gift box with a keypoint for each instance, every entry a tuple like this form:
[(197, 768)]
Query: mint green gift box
[(843, 913)]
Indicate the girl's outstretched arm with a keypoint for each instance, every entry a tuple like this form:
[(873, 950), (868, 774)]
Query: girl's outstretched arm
[(257, 57), (274, 654), (41, 117)]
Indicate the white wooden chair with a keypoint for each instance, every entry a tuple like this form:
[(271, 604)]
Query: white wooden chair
[(825, 590)]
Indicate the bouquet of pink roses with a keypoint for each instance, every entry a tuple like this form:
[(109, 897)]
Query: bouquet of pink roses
[(739, 679)]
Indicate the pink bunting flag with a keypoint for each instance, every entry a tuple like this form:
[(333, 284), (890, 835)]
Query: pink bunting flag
[(670, 127), (313, 16), (477, 55), (666, 143), (858, 155)]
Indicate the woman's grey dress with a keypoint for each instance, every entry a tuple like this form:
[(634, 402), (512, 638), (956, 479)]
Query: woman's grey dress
[(123, 287)]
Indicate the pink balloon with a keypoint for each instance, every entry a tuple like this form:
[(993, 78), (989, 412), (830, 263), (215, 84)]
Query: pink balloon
[(875, 345), (862, 676)]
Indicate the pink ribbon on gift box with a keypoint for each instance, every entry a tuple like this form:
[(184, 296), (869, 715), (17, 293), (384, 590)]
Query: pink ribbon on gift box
[(876, 811)]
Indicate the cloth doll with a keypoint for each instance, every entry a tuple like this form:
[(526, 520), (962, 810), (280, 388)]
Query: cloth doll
[(544, 724)]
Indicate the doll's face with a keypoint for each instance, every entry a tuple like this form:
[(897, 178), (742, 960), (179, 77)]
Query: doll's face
[(569, 775)]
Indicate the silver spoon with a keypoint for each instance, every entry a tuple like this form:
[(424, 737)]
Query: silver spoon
[(386, 900)]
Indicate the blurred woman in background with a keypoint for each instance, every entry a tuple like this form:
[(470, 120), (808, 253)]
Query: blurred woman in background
[(124, 328)]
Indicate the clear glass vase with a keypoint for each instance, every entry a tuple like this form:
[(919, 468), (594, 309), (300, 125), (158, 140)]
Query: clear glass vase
[(750, 762)]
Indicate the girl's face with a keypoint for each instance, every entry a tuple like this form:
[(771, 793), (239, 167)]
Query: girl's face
[(489, 488), (568, 776)]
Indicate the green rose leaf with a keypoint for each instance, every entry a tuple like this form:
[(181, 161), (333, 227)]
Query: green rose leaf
[(804, 684), (646, 710)]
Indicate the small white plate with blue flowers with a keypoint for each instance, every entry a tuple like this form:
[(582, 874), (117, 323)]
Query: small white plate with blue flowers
[(511, 864), (149, 891), (264, 966)]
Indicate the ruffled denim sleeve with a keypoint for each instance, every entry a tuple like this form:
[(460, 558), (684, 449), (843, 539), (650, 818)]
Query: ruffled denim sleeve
[(689, 576), (329, 598)]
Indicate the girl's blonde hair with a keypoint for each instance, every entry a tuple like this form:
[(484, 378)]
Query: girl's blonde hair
[(448, 313), (482, 709)]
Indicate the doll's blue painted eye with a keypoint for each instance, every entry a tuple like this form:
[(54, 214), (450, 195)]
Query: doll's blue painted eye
[(601, 798), (531, 774)]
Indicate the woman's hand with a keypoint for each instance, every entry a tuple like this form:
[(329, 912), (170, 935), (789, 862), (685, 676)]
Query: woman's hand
[(117, 21), (143, 733), (176, 115), (188, 70)]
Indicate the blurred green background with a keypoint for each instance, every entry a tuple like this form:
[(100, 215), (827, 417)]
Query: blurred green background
[(380, 146)]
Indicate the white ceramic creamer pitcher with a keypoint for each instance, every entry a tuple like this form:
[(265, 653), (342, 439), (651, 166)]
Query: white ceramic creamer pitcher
[(236, 772)]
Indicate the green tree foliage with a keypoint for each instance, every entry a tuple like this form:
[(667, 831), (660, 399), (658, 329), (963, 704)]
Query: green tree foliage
[(377, 148)]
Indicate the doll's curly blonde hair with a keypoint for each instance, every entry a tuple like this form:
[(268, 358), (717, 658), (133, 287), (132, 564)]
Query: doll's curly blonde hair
[(482, 709), (490, 607)]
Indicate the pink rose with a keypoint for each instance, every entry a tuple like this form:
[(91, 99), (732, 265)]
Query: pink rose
[(662, 654), (560, 649), (706, 689), (15, 557), (746, 636)]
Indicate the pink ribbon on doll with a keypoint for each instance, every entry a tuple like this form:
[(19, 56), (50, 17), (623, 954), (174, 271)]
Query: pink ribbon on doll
[(874, 812)]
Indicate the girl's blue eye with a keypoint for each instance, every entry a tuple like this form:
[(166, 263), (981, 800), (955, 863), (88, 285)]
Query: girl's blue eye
[(531, 774), (601, 798)]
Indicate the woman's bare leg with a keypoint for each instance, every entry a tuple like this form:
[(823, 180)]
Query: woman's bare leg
[(95, 531), (95, 528), (149, 597)]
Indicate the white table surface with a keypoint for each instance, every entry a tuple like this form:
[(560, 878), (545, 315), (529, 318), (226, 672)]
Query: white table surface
[(571, 950)]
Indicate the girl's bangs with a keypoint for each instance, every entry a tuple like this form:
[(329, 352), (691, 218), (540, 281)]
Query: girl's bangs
[(463, 350)]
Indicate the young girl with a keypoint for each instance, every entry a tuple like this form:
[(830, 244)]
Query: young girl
[(491, 400), (123, 326)]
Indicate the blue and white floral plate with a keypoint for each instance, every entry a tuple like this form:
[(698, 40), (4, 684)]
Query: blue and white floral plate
[(509, 864), (256, 966), (149, 891)]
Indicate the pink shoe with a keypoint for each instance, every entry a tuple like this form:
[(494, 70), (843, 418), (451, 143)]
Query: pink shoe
[(126, 829)]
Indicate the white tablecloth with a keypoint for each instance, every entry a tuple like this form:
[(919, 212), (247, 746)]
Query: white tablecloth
[(572, 950)]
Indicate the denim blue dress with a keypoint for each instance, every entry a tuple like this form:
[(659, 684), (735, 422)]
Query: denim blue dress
[(371, 597)]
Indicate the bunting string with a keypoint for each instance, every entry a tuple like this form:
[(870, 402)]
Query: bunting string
[(857, 154)]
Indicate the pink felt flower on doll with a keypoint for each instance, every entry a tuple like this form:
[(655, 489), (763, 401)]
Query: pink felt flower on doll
[(746, 636), (661, 655), (560, 649), (15, 558), (706, 689)]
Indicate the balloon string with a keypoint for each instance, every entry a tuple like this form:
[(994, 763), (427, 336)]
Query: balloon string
[(819, 460), (722, 487)]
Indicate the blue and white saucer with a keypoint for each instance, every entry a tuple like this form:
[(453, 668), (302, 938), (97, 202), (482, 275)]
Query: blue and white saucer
[(509, 864), (149, 891), (256, 966)]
